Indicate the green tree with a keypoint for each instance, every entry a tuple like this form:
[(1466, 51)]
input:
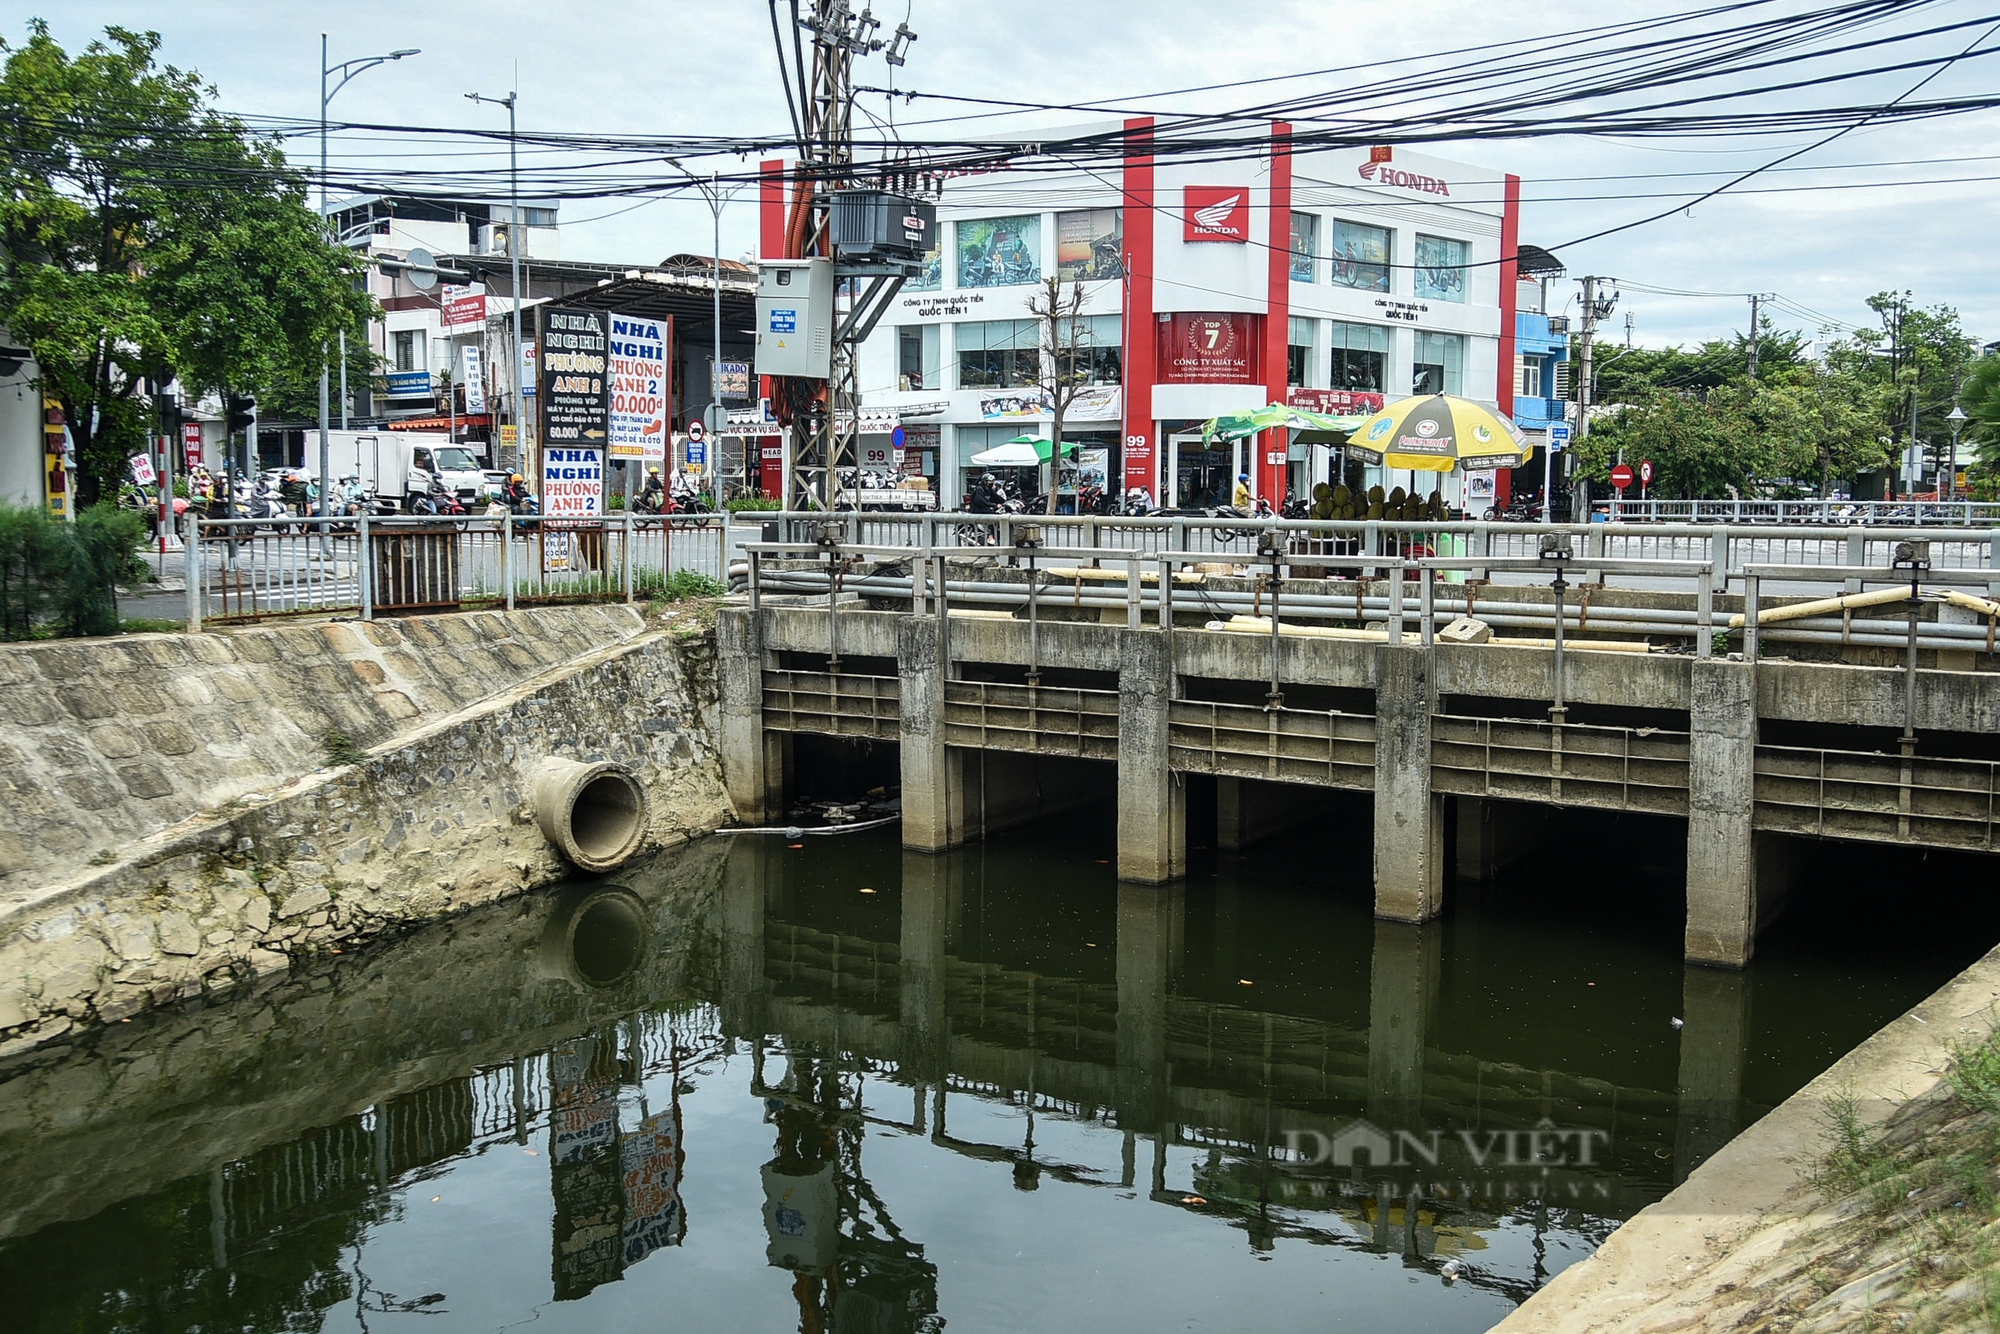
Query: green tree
[(1741, 437), (1634, 375), (147, 237), (1915, 362)]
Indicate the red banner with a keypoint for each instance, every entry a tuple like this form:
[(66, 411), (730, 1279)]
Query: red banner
[(1335, 402), (1202, 348)]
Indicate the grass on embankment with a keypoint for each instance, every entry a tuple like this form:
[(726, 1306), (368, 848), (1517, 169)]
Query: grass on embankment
[(1915, 1241)]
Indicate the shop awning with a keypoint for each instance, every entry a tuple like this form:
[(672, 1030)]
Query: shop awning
[(440, 422)]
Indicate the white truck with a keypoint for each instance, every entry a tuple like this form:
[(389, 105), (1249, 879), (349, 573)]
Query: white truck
[(399, 465)]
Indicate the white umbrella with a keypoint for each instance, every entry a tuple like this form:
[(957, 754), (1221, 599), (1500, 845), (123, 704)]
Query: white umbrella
[(1013, 454)]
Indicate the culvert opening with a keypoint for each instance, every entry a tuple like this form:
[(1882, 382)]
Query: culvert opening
[(607, 818), (609, 939)]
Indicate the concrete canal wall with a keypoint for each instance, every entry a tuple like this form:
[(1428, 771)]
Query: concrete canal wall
[(231, 846), (1745, 1241), (129, 1108)]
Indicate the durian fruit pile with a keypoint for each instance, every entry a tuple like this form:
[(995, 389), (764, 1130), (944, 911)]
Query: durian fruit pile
[(1339, 502)]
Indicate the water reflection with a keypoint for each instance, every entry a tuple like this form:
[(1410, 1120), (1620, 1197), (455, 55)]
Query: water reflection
[(869, 1090)]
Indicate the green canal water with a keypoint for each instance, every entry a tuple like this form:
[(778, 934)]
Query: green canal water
[(834, 1087)]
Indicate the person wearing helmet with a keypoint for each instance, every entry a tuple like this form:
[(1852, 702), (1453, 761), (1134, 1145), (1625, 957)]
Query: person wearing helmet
[(1240, 497), (652, 497), (514, 492)]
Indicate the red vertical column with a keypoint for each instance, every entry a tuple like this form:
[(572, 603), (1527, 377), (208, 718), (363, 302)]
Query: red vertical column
[(1141, 452), (1510, 273), (1270, 477), (770, 245)]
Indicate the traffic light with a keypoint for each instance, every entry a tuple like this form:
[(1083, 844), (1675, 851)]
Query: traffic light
[(242, 410)]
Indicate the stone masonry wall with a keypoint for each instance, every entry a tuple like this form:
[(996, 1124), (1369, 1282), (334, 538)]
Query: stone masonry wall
[(104, 742), (431, 822)]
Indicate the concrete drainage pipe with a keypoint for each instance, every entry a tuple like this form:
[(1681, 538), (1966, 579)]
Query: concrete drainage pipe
[(595, 813), (596, 936)]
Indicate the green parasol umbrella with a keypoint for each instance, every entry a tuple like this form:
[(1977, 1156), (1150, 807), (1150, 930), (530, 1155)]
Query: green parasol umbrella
[(1313, 427)]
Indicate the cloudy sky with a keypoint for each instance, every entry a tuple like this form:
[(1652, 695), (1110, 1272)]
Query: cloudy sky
[(1913, 207)]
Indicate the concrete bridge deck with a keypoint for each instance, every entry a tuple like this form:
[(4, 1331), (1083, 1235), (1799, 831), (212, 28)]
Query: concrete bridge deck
[(1749, 753)]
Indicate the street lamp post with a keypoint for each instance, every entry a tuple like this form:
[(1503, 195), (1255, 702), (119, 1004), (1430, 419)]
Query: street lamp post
[(514, 261), (711, 190), (347, 69)]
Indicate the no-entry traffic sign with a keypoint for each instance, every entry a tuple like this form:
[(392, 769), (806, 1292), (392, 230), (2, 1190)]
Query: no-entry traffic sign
[(1621, 476), (1646, 472), (696, 432)]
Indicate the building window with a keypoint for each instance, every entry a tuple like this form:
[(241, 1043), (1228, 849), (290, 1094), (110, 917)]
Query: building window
[(1440, 364), (999, 354), (409, 350), (1099, 358), (1000, 252), (1305, 246), (1530, 383), (1360, 257), (1090, 244), (1299, 350), (1360, 356), (918, 358), (1440, 268)]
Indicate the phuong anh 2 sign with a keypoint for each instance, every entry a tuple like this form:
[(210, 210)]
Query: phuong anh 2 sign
[(572, 481), (640, 388), (575, 405)]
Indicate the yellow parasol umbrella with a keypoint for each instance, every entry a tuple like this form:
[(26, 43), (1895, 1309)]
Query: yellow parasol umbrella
[(1438, 432)]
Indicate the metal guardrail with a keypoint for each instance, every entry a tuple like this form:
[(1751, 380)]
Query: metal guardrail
[(1874, 513), (253, 569), (1729, 546)]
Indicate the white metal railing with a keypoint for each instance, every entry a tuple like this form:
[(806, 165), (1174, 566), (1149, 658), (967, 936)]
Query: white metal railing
[(1401, 595), (1868, 513), (1729, 547), (251, 569)]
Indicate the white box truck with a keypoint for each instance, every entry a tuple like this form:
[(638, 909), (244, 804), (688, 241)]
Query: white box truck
[(399, 465)]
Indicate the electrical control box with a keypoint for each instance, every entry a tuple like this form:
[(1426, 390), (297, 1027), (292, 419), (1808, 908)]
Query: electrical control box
[(795, 318)]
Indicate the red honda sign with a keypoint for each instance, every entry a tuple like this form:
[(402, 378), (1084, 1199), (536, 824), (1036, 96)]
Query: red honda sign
[(1621, 476), (1216, 213)]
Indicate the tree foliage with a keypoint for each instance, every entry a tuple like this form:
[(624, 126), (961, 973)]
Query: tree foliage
[(147, 237), (1711, 431)]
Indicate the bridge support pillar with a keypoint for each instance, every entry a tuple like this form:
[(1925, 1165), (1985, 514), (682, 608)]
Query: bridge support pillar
[(746, 757), (1715, 1023), (1409, 817), (1150, 923), (1402, 998), (934, 775), (927, 900), (751, 867), (1152, 805), (1722, 844)]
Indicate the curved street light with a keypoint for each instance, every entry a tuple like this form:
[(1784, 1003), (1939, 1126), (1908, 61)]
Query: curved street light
[(347, 69)]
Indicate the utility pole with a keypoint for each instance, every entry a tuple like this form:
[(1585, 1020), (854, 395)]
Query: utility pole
[(514, 266), (825, 437), (1756, 298), (1595, 308)]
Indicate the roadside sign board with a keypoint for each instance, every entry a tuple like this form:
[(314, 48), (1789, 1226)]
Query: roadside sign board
[(696, 432), (1646, 472), (1558, 436), (1621, 476)]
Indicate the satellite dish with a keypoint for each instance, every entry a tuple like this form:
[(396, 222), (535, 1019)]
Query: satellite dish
[(423, 270)]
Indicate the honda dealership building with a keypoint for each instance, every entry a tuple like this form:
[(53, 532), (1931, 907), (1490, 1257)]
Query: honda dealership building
[(1330, 279)]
